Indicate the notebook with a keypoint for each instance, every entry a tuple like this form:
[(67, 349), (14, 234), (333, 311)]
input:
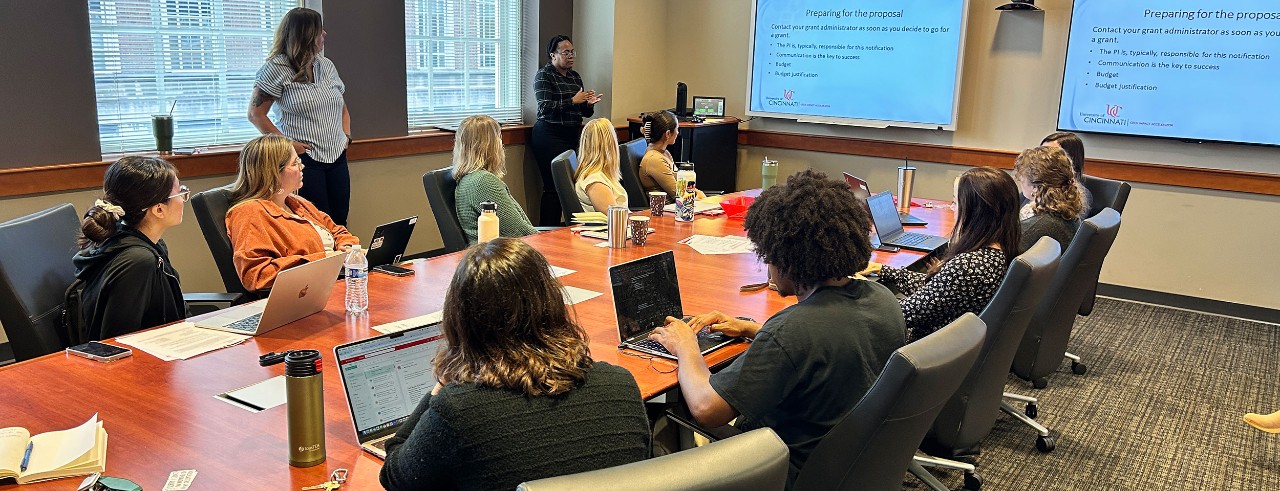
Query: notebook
[(645, 292), (389, 242), (863, 191), (885, 217), (384, 378), (52, 455), (298, 292)]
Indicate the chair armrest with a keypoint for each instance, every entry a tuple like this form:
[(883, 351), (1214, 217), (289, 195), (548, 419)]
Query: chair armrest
[(680, 414), (211, 297)]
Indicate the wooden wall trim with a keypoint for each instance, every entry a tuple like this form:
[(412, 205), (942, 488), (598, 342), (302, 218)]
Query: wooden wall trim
[(88, 175), (1191, 177)]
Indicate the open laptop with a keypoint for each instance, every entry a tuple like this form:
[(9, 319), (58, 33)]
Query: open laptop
[(384, 379), (389, 242), (298, 292), (708, 107), (863, 191), (645, 292), (885, 217)]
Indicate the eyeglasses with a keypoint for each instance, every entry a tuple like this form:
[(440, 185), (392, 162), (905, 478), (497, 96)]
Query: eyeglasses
[(183, 193), (567, 52)]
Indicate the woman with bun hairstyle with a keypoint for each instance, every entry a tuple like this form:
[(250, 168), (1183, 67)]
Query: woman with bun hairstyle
[(658, 167), (129, 283)]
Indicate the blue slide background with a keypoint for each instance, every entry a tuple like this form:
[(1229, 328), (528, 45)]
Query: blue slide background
[(914, 83), (1237, 103)]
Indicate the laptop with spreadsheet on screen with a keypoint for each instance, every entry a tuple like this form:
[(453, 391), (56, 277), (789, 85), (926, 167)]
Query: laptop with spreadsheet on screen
[(645, 292), (384, 379)]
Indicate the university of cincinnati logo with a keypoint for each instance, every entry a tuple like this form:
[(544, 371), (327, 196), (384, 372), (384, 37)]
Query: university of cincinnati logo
[(1114, 110), (787, 94)]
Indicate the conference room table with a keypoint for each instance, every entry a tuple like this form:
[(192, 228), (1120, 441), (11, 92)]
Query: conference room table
[(162, 416)]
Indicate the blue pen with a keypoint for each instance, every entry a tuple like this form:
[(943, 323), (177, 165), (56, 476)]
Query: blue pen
[(26, 457)]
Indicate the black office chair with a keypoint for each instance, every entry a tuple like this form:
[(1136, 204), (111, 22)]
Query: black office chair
[(971, 413), (871, 448), (33, 282), (630, 154), (562, 168), (211, 211), (1045, 342), (1106, 193), (440, 185), (754, 460)]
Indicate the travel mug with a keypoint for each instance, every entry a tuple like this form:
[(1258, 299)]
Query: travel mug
[(768, 173), (162, 128), (906, 183), (617, 226), (304, 391)]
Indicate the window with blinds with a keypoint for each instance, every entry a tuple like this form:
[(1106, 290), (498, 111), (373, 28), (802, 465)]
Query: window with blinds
[(463, 58), (197, 56)]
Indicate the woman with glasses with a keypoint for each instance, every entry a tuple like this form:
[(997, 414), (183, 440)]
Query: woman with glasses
[(272, 228), (305, 88), (123, 262), (562, 103)]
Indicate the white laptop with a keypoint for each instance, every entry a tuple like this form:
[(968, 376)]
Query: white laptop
[(298, 292), (385, 378)]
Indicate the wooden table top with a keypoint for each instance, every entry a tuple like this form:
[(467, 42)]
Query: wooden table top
[(162, 416)]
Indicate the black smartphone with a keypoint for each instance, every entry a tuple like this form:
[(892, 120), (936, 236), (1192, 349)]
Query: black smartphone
[(103, 352), (393, 270)]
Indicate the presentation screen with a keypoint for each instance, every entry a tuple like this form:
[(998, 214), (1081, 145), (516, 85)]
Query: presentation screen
[(1192, 70), (863, 62)]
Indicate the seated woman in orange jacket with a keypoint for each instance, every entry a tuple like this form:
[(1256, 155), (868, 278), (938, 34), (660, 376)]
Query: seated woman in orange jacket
[(271, 228)]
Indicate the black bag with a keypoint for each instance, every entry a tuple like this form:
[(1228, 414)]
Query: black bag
[(73, 330)]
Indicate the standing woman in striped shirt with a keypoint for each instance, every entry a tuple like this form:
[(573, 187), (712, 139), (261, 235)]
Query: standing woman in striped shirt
[(304, 87), (562, 103)]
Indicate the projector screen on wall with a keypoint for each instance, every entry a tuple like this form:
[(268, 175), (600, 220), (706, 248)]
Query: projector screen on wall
[(1192, 70), (861, 62)]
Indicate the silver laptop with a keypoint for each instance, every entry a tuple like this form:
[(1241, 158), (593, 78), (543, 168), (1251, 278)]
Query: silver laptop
[(645, 292), (884, 214), (298, 292), (384, 379)]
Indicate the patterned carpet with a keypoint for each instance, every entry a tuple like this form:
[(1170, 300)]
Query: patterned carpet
[(1160, 408)]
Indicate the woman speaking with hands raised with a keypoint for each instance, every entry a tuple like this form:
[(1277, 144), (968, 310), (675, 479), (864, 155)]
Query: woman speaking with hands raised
[(562, 103)]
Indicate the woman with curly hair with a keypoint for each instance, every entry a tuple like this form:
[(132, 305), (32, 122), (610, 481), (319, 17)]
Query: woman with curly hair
[(810, 363), (983, 242), (1055, 200), (518, 396)]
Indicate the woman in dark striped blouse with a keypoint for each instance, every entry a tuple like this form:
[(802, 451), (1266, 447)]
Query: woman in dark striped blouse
[(562, 103), (306, 91)]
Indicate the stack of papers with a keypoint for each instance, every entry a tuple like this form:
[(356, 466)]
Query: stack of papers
[(729, 244), (590, 217), (181, 341), (700, 208)]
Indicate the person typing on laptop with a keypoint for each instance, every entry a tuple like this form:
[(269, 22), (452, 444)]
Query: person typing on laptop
[(519, 397), (983, 242), (272, 228), (811, 363)]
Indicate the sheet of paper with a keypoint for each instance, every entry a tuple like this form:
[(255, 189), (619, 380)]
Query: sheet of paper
[(258, 397), (13, 443), (180, 480), (411, 322), (55, 449), (181, 341), (729, 244), (573, 295), (557, 271), (700, 207)]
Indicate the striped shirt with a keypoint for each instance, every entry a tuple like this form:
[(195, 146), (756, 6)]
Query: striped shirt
[(555, 97), (310, 113)]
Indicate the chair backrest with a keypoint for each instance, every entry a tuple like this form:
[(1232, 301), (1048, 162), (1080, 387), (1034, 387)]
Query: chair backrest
[(34, 276), (754, 460), (971, 413), (1107, 193), (1046, 338), (631, 153), (562, 168), (872, 446), (211, 211), (440, 185)]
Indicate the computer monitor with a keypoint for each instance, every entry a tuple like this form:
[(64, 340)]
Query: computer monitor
[(708, 107)]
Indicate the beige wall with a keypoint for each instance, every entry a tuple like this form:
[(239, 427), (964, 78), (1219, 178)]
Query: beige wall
[(593, 25)]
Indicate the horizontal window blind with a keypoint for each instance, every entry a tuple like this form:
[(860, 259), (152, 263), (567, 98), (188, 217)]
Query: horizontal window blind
[(200, 56), (463, 58)]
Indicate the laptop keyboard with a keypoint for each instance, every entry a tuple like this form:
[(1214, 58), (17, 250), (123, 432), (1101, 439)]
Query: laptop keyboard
[(910, 239), (653, 345), (247, 324)]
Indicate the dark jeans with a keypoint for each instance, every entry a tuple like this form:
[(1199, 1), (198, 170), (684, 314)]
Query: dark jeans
[(328, 186), (548, 141)]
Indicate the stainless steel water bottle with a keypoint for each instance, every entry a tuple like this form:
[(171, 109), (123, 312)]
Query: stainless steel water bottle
[(304, 389), (906, 184), (617, 226)]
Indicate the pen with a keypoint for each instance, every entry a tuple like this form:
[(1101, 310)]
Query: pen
[(26, 457)]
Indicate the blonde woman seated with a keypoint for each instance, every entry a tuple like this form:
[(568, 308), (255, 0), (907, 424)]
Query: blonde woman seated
[(598, 181), (478, 165), (271, 228), (1055, 199), (658, 167)]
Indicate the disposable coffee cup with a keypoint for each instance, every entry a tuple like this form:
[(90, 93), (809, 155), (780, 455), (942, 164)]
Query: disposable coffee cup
[(657, 203), (639, 230), (162, 128)]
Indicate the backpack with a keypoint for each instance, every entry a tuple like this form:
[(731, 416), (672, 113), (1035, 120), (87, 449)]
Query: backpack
[(73, 329)]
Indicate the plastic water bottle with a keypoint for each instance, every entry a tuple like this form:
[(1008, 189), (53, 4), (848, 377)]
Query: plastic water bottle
[(357, 268)]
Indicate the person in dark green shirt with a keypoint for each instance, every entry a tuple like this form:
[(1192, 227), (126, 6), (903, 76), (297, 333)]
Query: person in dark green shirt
[(810, 363), (479, 162)]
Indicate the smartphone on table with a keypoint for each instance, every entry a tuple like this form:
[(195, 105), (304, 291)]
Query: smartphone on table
[(97, 351)]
